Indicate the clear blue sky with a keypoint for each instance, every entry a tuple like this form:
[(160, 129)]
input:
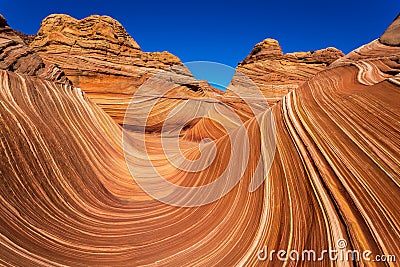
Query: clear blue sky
[(223, 31)]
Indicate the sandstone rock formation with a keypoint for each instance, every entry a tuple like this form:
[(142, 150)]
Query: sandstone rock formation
[(16, 56), (276, 73), (391, 35), (27, 38), (3, 21), (101, 58), (67, 197)]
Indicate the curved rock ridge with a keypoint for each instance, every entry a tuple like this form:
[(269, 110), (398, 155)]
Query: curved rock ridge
[(276, 73), (67, 197), (99, 56)]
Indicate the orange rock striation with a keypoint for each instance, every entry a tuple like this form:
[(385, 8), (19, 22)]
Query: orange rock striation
[(68, 199), (100, 57), (276, 73)]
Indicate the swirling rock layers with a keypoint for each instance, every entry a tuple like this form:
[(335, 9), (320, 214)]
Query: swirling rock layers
[(68, 199)]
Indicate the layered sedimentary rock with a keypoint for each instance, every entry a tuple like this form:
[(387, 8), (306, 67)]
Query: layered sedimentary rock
[(27, 38), (276, 73), (67, 197), (102, 59), (17, 57)]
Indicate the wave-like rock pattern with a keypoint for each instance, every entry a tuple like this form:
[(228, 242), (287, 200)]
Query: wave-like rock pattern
[(67, 197)]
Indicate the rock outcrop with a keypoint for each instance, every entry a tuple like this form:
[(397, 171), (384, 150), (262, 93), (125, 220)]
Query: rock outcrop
[(17, 57), (391, 36), (68, 198), (3, 21), (100, 57), (276, 73)]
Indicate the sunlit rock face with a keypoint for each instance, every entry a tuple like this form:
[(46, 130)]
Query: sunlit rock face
[(276, 73), (67, 197), (101, 58), (391, 36)]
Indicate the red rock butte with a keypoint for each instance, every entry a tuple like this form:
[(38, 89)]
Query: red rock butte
[(68, 198)]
